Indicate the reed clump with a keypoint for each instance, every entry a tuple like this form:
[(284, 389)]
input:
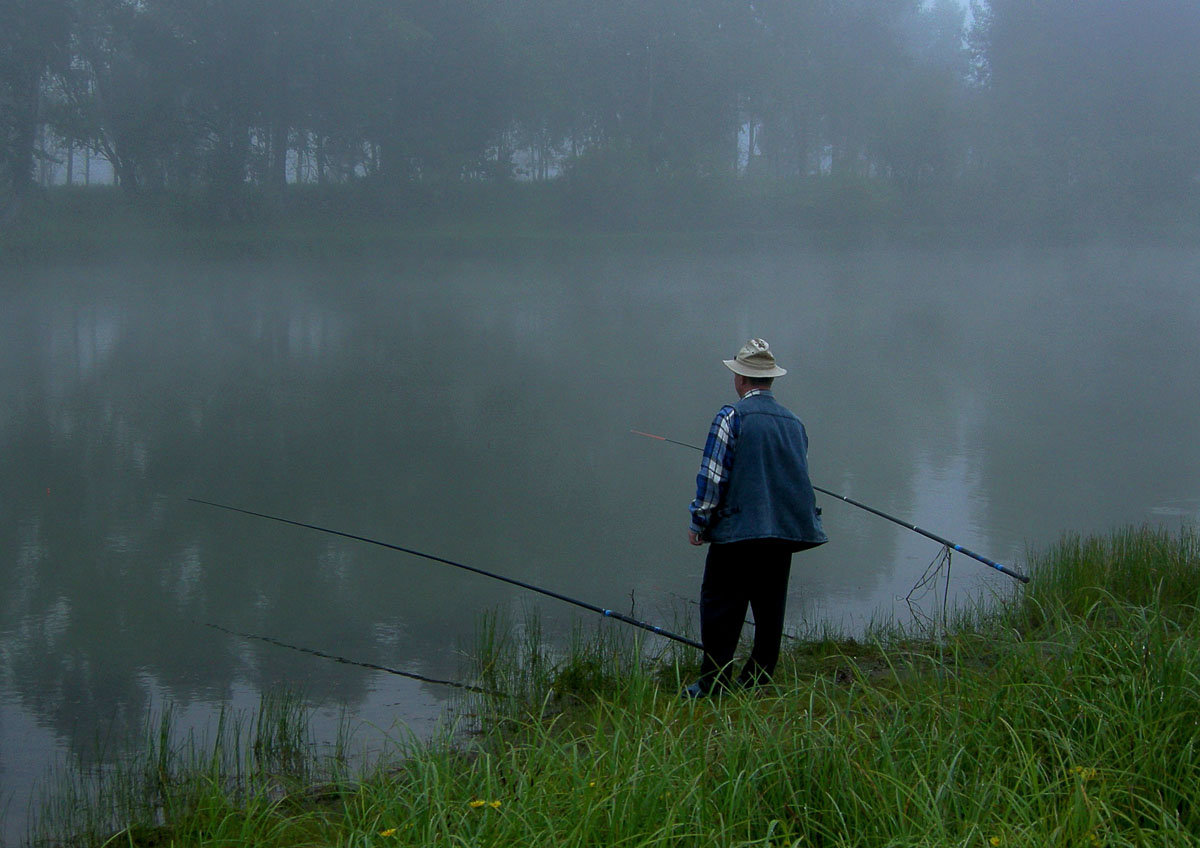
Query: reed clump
[(1064, 714), (257, 777)]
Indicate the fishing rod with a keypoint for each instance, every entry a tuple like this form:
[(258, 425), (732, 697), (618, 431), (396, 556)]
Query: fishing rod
[(584, 604), (412, 675), (939, 539)]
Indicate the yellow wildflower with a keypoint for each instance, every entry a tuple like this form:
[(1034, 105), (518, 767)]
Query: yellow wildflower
[(391, 831), (495, 805), (994, 841), (477, 803)]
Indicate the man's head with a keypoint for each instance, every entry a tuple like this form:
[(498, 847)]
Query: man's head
[(754, 367), (744, 385)]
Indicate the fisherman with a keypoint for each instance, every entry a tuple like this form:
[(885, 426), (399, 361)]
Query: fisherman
[(755, 506)]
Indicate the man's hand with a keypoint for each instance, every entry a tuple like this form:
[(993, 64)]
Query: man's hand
[(694, 538)]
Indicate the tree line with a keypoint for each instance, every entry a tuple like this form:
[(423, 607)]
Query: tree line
[(1091, 105)]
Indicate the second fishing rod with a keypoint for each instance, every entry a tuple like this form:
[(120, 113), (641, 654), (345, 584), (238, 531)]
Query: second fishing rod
[(1003, 569), (607, 613)]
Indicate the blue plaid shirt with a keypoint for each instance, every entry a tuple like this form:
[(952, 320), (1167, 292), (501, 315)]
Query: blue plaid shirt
[(713, 479)]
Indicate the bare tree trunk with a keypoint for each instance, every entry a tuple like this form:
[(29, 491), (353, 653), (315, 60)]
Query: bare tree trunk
[(228, 183), (126, 175), (24, 135), (43, 165), (301, 168), (279, 149)]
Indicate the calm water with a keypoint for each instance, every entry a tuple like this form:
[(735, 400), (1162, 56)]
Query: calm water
[(480, 410)]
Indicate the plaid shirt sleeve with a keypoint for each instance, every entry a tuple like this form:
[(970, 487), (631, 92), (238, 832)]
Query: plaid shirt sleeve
[(713, 478)]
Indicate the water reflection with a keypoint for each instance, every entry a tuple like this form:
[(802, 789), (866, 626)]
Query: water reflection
[(481, 411)]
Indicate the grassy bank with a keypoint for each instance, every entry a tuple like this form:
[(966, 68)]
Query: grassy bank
[(1067, 714)]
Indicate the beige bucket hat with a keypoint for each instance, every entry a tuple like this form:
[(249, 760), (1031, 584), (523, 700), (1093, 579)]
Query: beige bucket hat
[(755, 360)]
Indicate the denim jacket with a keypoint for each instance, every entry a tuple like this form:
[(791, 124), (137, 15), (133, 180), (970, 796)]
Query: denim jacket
[(769, 495)]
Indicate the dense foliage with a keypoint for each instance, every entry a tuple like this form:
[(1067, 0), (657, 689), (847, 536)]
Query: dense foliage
[(1037, 108)]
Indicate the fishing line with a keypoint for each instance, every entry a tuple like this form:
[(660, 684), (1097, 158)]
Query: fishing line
[(926, 585), (1016, 575), (346, 661), (607, 613)]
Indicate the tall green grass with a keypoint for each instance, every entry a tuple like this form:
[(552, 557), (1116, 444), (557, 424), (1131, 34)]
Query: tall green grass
[(1130, 567), (249, 780), (1068, 714)]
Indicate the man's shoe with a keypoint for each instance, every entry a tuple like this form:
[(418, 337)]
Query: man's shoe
[(752, 679), (691, 693)]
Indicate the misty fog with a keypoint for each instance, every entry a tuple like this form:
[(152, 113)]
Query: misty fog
[(415, 270)]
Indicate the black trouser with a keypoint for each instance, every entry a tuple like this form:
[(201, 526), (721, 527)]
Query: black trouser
[(736, 575)]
